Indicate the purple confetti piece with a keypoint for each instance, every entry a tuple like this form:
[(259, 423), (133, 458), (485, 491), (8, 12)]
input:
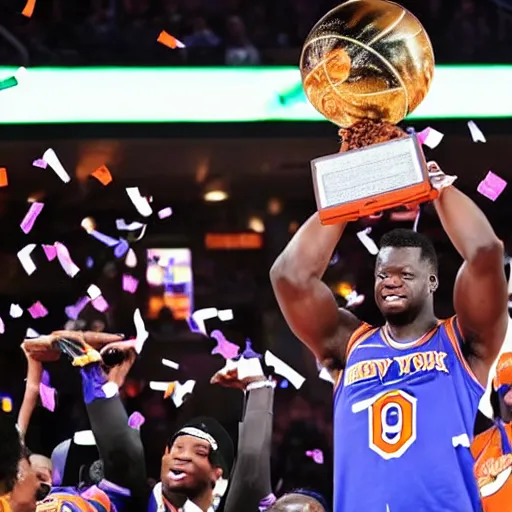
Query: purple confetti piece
[(334, 260), (136, 420), (165, 212), (28, 222), (67, 264), (40, 163), (74, 310), (192, 325), (50, 251), (104, 239), (492, 186), (47, 395), (121, 248), (89, 262), (316, 455), (100, 304), (45, 378), (248, 353), (224, 347), (37, 310), (130, 284)]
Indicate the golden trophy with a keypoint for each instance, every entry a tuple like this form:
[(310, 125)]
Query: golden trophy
[(365, 66)]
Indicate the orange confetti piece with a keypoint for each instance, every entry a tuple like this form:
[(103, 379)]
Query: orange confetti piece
[(3, 177), (170, 390), (102, 174), (170, 41), (28, 10)]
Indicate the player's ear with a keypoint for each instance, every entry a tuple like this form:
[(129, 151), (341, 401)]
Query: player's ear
[(433, 283)]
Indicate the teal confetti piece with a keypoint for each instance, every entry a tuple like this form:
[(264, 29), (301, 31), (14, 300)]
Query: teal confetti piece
[(12, 81)]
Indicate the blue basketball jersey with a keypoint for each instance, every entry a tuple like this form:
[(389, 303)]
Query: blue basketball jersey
[(403, 423)]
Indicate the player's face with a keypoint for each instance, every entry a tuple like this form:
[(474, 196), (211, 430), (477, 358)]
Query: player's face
[(23, 496), (186, 469), (506, 406), (401, 280)]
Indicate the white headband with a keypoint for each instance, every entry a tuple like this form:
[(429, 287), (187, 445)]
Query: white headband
[(195, 432)]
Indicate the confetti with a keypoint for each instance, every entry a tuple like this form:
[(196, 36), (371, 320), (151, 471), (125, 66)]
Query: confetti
[(170, 41), (4, 180), (47, 393), (93, 291), (430, 137), (136, 420), (50, 251), (224, 347), (130, 284), (39, 163), (476, 133), (141, 333), (102, 174), (354, 299), (139, 201), (367, 241), (131, 259), (170, 364), (181, 390), (37, 310), (325, 375), (89, 262), (28, 222), (104, 239), (281, 368), (100, 304), (15, 311), (25, 259), (52, 160), (159, 386), (225, 315), (165, 212), (249, 353), (31, 333), (121, 248), (416, 220), (334, 260), (28, 10), (316, 455), (250, 367), (2, 326), (141, 234), (12, 81), (73, 311), (121, 225), (283, 384), (196, 321), (65, 260), (492, 186)]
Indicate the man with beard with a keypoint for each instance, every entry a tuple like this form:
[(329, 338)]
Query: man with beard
[(196, 458), (404, 414), (493, 448)]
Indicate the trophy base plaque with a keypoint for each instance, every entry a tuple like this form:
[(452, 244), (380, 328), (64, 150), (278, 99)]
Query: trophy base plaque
[(362, 182)]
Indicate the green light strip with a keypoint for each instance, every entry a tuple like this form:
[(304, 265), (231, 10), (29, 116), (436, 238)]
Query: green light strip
[(216, 95)]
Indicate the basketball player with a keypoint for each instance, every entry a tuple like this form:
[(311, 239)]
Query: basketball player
[(405, 409), (492, 449)]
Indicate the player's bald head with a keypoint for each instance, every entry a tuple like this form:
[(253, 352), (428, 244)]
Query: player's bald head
[(295, 502)]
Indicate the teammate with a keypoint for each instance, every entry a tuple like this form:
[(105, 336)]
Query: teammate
[(492, 449), (404, 413)]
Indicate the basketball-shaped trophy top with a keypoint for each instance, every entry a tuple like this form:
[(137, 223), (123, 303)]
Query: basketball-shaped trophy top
[(367, 59)]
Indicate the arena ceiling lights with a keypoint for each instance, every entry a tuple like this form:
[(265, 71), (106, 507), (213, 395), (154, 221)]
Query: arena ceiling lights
[(218, 95)]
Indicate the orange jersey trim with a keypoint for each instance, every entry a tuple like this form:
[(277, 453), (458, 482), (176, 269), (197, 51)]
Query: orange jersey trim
[(450, 326)]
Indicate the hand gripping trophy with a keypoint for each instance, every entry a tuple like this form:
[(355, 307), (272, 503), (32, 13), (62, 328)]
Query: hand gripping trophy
[(365, 66)]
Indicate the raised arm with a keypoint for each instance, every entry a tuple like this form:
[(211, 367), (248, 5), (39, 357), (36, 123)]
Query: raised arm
[(306, 302), (480, 294)]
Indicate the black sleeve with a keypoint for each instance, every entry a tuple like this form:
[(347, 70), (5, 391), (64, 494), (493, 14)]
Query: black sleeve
[(250, 479), (119, 445)]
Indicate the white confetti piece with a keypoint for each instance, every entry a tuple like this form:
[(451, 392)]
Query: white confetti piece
[(181, 390), (281, 368), (52, 160), (131, 259), (159, 386), (430, 137), (249, 368), (225, 315), (325, 375), (93, 291), (201, 315), (476, 133), (141, 332), (165, 212), (365, 239), (121, 225), (139, 201), (2, 326), (15, 311), (65, 260), (31, 333), (170, 364), (25, 259)]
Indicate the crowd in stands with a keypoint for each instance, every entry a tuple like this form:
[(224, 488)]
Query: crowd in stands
[(229, 32)]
